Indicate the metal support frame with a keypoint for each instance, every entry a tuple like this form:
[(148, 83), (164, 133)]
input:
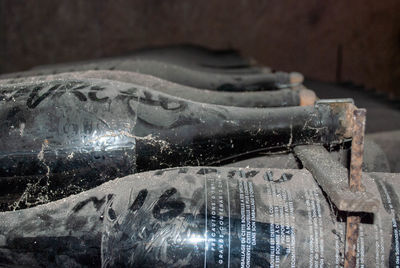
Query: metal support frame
[(344, 188)]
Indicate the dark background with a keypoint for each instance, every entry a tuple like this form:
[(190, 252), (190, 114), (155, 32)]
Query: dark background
[(326, 40)]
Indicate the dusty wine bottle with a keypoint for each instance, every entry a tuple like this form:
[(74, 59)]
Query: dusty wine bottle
[(67, 136), (389, 141), (201, 56), (226, 61), (177, 73), (202, 217), (274, 98)]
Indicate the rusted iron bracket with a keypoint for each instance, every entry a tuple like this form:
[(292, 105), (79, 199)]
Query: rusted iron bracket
[(332, 177), (344, 189)]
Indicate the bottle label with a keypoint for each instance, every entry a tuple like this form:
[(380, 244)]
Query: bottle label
[(218, 220), (225, 217)]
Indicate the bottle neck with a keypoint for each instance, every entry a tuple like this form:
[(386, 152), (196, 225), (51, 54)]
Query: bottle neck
[(215, 133)]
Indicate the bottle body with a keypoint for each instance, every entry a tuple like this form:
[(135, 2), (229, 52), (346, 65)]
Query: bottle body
[(203, 217), (72, 129)]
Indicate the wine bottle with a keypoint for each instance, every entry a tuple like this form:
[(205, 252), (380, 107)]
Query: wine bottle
[(389, 141), (221, 59), (111, 63), (202, 217), (201, 56), (179, 74), (212, 81), (231, 63), (274, 98), (197, 57), (76, 134)]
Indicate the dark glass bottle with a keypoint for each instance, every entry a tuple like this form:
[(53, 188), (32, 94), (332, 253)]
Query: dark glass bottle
[(274, 98), (190, 76), (196, 55), (76, 134), (201, 217), (222, 61)]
